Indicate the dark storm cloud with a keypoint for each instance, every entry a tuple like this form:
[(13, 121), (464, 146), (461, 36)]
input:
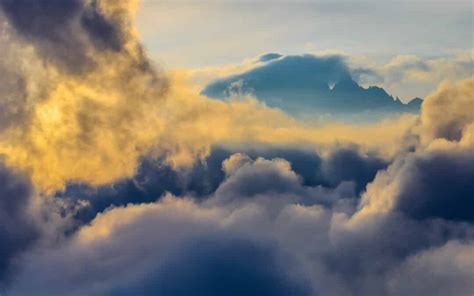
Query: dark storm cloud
[(49, 25), (106, 34), (17, 227), (64, 32), (41, 18)]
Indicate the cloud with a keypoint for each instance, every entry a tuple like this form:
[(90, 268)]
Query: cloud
[(410, 76), (440, 271), (92, 122), (342, 172), (49, 24), (13, 105), (245, 122), (410, 227), (78, 107), (197, 235), (436, 185), (73, 32), (403, 76), (209, 268), (152, 206), (259, 177), (295, 242), (413, 181), (94, 126), (349, 164), (448, 111), (18, 229)]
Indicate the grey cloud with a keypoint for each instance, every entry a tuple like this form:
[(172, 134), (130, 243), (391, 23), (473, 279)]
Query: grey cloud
[(310, 245), (438, 185), (260, 177), (410, 233), (50, 25), (199, 254), (17, 226), (342, 173), (209, 267), (349, 164), (13, 102), (447, 270), (69, 33)]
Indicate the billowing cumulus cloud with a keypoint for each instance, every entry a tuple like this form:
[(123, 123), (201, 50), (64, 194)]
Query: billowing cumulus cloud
[(448, 112), (199, 237), (346, 168), (305, 239), (296, 239), (424, 183), (79, 107)]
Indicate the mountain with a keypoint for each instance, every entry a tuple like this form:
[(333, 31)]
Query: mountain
[(310, 85)]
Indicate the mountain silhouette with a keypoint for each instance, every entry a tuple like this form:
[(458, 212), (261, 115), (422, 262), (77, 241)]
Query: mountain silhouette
[(306, 84)]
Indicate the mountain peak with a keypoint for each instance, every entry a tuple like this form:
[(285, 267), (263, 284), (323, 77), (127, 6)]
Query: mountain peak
[(346, 84), (301, 85), (378, 91), (415, 103), (269, 56)]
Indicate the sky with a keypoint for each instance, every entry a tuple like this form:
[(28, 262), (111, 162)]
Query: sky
[(202, 33), (149, 151)]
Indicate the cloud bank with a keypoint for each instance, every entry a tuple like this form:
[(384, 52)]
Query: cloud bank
[(262, 230)]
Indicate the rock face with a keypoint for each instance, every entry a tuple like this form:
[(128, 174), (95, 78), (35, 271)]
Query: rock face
[(308, 84)]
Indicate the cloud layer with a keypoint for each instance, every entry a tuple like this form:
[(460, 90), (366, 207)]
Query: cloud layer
[(266, 229)]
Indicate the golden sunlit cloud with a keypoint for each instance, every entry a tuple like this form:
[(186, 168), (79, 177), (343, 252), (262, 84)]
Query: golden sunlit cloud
[(94, 128)]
